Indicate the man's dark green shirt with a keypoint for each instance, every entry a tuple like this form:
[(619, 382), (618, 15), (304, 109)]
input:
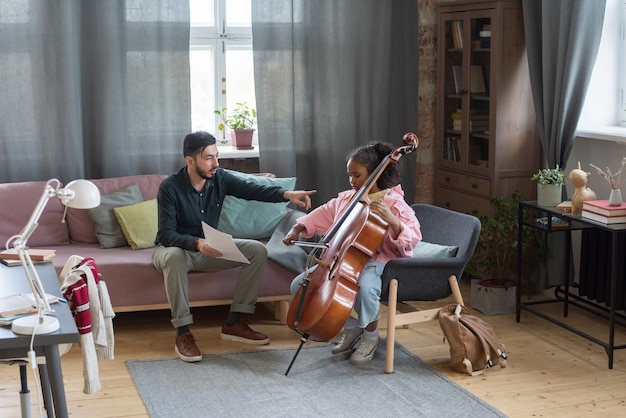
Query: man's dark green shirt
[(182, 208)]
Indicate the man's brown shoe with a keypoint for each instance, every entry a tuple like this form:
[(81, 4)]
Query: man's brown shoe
[(187, 349), (242, 333)]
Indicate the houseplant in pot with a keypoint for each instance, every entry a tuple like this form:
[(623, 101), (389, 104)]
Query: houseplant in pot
[(240, 122), (493, 268), (550, 183)]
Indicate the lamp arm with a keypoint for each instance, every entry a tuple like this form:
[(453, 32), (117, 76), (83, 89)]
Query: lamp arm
[(21, 239), (19, 244), (43, 307)]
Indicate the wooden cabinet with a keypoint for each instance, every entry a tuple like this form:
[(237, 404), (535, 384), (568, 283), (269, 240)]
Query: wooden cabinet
[(486, 139)]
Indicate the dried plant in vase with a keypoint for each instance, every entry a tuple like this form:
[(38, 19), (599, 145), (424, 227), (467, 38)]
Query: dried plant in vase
[(615, 198)]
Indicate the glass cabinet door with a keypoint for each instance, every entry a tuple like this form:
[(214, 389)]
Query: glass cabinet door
[(465, 69), (478, 103), (451, 144)]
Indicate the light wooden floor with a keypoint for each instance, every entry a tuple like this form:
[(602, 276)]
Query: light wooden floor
[(551, 372)]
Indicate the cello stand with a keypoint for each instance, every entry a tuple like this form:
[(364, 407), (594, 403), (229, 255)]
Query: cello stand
[(303, 340)]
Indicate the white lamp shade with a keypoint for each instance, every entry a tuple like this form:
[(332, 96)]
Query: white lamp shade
[(83, 194)]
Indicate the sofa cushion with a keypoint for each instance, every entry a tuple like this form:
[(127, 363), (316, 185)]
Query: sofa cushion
[(17, 203), (83, 228), (108, 229), (139, 223), (427, 249), (250, 218)]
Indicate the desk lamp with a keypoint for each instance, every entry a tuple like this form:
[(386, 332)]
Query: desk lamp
[(79, 194)]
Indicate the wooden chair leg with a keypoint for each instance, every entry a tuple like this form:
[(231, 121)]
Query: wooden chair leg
[(456, 291), (391, 324), (281, 309)]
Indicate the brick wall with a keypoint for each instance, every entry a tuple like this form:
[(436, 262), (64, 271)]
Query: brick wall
[(427, 99)]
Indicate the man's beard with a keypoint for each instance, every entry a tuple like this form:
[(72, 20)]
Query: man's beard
[(203, 175)]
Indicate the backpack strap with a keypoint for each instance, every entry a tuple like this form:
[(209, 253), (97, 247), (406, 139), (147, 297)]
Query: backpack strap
[(500, 349)]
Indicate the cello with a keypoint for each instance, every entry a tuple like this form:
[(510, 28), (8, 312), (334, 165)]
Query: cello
[(325, 299)]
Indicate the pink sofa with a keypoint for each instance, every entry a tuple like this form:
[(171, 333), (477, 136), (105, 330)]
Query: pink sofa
[(132, 281)]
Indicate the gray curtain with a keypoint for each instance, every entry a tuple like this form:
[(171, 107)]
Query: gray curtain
[(331, 75), (562, 39), (92, 89)]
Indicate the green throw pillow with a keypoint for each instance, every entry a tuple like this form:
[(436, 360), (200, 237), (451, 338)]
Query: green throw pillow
[(250, 218), (427, 249), (108, 229), (139, 223)]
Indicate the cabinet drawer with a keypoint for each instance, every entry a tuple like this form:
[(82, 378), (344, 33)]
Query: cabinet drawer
[(462, 202), (465, 183)]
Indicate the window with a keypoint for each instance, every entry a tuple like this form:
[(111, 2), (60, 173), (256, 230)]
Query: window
[(221, 66), (604, 111)]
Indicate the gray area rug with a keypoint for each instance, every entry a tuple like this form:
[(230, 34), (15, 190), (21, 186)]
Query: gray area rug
[(253, 384)]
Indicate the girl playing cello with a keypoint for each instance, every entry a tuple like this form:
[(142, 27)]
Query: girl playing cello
[(387, 201)]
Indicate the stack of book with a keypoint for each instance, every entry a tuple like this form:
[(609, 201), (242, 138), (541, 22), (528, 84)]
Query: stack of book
[(601, 211), (479, 122), (11, 258)]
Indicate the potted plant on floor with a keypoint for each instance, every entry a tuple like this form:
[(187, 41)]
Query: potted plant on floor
[(550, 183), (493, 268), (240, 122)]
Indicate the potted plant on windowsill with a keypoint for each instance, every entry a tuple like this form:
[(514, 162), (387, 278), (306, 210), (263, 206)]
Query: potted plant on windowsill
[(550, 183), (240, 122), (493, 268)]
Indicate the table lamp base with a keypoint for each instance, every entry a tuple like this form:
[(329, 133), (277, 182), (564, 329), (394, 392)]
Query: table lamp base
[(26, 325)]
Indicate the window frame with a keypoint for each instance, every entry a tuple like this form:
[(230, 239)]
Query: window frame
[(603, 118), (221, 37)]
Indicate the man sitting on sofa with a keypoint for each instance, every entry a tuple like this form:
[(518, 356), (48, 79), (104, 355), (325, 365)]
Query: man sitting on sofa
[(192, 195)]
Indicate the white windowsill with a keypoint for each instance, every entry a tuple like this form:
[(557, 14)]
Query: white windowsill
[(604, 133), (228, 151)]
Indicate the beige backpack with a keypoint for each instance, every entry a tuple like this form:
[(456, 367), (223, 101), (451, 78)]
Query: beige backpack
[(473, 343)]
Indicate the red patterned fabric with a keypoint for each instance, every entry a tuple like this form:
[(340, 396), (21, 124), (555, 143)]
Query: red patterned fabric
[(77, 297)]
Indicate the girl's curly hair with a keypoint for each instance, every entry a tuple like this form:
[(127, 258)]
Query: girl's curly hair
[(371, 155)]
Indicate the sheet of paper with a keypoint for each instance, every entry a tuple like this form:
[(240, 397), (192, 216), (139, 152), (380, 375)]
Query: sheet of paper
[(224, 243)]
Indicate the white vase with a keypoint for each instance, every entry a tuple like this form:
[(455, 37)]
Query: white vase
[(549, 194), (615, 197)]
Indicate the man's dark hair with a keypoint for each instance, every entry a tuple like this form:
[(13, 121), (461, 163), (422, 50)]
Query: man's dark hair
[(196, 142)]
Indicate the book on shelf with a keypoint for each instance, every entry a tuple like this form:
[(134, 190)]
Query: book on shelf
[(21, 303), (451, 149), (602, 207), (36, 254), (565, 206), (477, 79), (457, 34), (602, 218), (455, 147), (457, 72), (473, 125)]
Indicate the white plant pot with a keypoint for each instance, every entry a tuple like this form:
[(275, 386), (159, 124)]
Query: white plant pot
[(492, 300), (549, 194)]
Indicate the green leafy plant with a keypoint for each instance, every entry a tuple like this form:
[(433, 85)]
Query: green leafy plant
[(242, 117), (495, 256), (549, 176)]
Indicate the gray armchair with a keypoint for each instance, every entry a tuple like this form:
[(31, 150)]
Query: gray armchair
[(431, 278)]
